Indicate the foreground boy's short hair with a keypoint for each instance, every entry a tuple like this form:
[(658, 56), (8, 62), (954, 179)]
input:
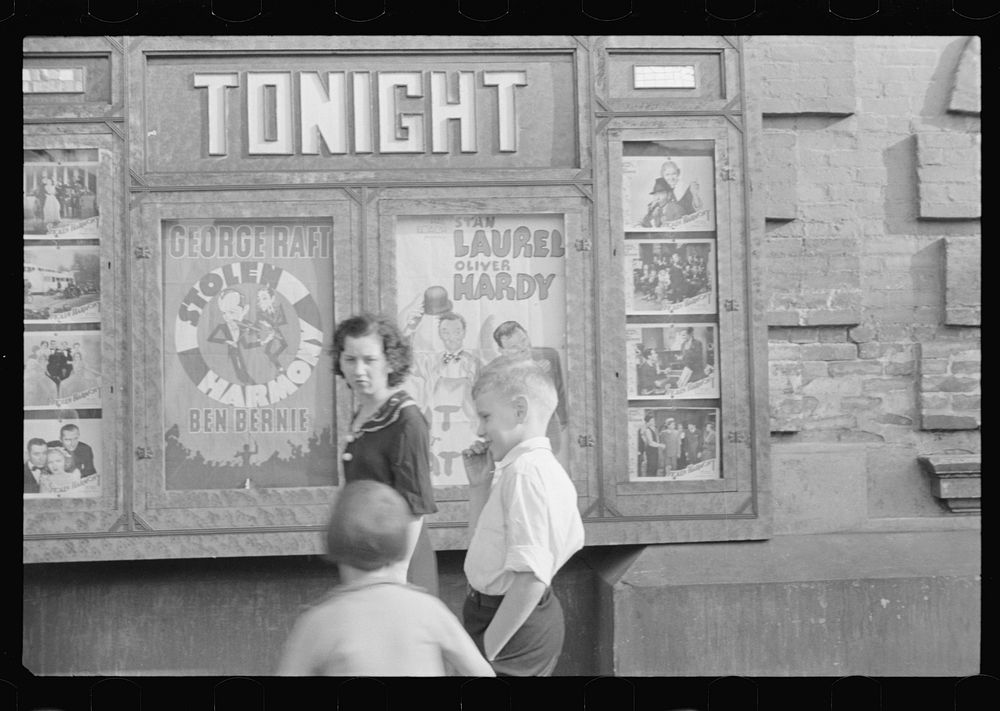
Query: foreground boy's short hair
[(368, 524), (511, 377)]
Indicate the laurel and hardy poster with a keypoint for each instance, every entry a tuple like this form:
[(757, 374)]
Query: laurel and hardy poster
[(248, 382), (60, 193), (669, 443), (667, 187), (471, 288), (669, 277), (676, 361)]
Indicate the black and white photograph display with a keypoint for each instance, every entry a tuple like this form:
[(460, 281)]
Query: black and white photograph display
[(668, 186), (62, 455), (677, 361), (62, 369), (60, 193), (673, 277), (671, 444), (62, 284)]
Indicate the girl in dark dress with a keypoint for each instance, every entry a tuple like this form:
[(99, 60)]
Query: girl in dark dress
[(389, 440)]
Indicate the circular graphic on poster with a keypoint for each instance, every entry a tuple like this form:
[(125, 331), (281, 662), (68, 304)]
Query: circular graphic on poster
[(257, 338)]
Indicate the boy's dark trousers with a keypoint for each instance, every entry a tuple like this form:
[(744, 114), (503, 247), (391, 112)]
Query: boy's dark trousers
[(535, 647)]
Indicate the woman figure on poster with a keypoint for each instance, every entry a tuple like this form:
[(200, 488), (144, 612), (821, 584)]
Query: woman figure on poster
[(51, 209), (38, 388), (671, 445), (270, 318), (59, 474), (389, 440)]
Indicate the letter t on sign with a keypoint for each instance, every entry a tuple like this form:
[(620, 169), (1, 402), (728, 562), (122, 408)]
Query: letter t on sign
[(507, 108), (216, 85)]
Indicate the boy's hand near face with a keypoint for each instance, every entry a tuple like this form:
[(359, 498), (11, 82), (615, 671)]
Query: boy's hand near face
[(479, 469)]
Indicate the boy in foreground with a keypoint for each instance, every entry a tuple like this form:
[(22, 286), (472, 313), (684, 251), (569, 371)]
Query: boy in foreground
[(374, 623), (524, 518)]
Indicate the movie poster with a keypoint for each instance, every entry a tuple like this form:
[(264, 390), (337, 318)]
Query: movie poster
[(62, 283), (470, 288), (248, 381), (667, 187), (673, 444), (669, 277), (60, 193), (62, 369), (63, 455), (675, 361)]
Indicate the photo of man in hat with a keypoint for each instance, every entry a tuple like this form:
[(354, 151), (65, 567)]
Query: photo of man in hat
[(666, 206)]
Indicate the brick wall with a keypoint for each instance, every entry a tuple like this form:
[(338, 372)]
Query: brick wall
[(872, 256)]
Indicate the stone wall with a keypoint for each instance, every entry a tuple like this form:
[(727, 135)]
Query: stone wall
[(871, 174)]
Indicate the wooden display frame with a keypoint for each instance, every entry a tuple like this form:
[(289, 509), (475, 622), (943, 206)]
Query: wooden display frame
[(52, 519)]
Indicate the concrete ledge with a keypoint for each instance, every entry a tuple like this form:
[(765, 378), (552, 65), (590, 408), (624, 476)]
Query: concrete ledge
[(880, 604)]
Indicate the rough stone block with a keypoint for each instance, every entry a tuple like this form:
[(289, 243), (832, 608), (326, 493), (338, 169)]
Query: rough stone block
[(856, 367), (963, 281), (936, 183), (897, 487), (948, 422), (830, 351), (780, 174), (861, 334), (818, 487), (966, 90), (808, 78)]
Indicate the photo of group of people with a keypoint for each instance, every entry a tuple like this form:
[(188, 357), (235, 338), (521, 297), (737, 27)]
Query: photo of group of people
[(673, 361), (61, 458), (62, 369), (60, 193), (670, 276), (670, 281), (62, 337), (673, 443)]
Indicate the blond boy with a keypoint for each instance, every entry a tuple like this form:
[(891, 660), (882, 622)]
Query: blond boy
[(524, 518)]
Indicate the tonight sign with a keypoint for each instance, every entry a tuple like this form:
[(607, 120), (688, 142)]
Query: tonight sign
[(359, 112)]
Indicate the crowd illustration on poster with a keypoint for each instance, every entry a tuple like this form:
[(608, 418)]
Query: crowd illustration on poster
[(477, 288), (673, 443), (247, 376)]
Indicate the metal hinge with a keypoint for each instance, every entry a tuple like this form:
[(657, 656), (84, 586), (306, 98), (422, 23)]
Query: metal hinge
[(583, 245), (727, 173), (585, 440), (143, 252), (731, 305), (738, 436), (143, 452)]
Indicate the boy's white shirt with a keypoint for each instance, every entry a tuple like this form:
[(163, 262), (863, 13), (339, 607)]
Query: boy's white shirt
[(530, 522)]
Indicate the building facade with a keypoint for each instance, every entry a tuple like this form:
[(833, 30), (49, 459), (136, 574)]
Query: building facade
[(751, 265)]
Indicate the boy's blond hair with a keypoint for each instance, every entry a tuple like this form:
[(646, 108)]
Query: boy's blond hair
[(367, 527), (511, 377)]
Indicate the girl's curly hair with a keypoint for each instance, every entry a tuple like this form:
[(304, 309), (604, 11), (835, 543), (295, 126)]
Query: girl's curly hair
[(397, 351)]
